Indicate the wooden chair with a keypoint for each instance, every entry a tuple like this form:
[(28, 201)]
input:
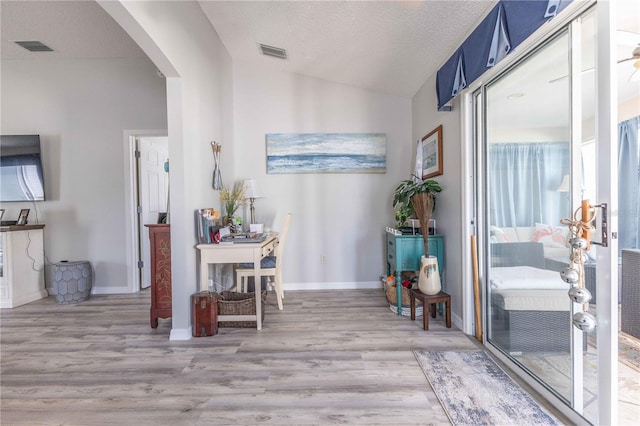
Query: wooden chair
[(271, 266)]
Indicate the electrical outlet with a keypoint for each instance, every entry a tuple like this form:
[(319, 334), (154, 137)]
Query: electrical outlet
[(323, 259)]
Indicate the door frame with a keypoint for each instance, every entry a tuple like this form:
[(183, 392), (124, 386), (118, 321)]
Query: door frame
[(132, 229), (607, 192), (471, 177)]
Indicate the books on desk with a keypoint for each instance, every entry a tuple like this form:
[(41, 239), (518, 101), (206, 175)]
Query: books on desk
[(245, 237), (207, 224)]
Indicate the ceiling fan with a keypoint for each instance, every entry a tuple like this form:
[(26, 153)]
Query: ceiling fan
[(625, 38), (635, 56)]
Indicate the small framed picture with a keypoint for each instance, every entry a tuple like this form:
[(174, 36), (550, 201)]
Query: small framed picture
[(1, 214), (22, 217), (432, 154)]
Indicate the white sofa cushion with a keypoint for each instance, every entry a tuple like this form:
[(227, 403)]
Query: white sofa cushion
[(503, 235), (533, 300), (523, 288), (554, 238), (525, 233), (551, 236), (526, 277)]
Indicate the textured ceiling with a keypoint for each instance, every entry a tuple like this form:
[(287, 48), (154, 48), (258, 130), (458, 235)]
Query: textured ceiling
[(387, 46), (73, 29)]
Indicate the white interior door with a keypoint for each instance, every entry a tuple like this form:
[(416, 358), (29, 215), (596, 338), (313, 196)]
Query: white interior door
[(153, 187)]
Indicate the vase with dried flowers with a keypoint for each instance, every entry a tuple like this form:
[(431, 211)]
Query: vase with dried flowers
[(231, 200)]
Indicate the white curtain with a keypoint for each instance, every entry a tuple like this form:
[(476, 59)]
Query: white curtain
[(523, 183)]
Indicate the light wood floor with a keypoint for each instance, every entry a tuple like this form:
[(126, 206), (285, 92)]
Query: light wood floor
[(330, 357)]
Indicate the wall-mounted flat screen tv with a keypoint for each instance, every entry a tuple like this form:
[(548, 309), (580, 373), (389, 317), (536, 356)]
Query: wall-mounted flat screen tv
[(21, 177)]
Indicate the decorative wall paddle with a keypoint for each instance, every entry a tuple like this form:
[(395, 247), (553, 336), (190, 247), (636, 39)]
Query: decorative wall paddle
[(217, 175)]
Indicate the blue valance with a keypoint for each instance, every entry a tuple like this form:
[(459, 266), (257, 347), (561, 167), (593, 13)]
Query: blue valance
[(508, 24)]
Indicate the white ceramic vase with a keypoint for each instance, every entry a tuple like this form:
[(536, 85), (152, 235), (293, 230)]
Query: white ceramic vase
[(429, 280)]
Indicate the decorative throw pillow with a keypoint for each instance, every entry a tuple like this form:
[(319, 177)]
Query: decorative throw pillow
[(550, 236), (498, 235)]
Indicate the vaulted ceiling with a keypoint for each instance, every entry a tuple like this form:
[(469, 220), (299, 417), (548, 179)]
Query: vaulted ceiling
[(386, 46)]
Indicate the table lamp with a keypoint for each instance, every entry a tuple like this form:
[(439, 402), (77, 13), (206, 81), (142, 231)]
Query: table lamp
[(252, 192)]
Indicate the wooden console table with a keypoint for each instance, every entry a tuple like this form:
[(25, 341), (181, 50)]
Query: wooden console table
[(237, 253), (403, 253), (160, 238)]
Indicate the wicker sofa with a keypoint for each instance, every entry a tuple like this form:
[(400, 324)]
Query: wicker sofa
[(554, 239), (530, 308), (530, 330), (630, 292)]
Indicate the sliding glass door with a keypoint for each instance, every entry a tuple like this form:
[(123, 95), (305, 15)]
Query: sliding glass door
[(527, 154), (542, 149)]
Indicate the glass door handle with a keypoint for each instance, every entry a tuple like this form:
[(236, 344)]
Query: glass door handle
[(604, 237)]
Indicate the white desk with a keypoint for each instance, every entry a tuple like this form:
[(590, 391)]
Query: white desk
[(237, 253)]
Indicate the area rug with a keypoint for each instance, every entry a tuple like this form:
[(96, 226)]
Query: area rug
[(475, 391), (628, 346), (629, 351)]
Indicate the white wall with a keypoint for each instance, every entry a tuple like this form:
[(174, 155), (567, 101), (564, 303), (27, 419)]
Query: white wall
[(340, 216), (448, 212), (629, 109), (184, 45), (80, 109)]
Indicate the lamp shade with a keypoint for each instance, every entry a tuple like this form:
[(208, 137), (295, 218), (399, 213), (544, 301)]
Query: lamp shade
[(251, 189)]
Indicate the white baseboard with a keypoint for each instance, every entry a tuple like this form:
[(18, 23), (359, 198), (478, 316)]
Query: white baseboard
[(23, 299), (123, 289), (333, 285), (180, 334), (457, 321), (101, 290), (288, 286)]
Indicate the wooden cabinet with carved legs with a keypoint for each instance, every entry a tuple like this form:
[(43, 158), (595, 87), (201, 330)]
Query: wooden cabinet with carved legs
[(160, 238)]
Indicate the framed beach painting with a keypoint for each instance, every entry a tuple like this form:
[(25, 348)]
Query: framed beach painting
[(326, 153), (432, 154)]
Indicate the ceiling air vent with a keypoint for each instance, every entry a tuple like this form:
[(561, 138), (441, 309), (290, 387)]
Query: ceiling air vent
[(276, 52), (34, 46)]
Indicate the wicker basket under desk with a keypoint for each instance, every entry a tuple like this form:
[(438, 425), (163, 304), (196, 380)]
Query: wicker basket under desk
[(232, 303)]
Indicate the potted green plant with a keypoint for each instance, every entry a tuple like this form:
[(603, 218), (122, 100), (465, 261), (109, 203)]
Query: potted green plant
[(416, 197), (403, 213)]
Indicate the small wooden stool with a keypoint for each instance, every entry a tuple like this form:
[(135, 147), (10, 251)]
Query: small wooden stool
[(430, 302)]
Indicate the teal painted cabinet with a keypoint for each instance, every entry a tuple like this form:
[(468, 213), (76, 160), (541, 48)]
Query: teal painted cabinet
[(403, 253)]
